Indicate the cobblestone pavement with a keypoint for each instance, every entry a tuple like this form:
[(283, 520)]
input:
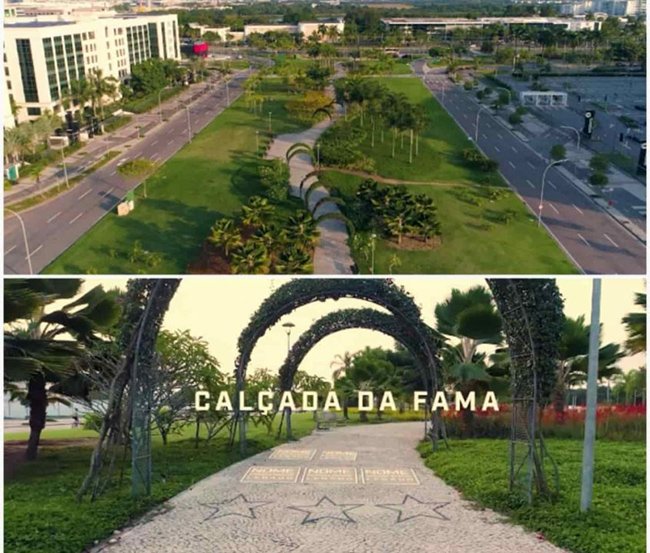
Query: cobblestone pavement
[(360, 489)]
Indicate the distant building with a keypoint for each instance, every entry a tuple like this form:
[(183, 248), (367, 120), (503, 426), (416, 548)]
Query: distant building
[(42, 56), (431, 25), (612, 8), (306, 29)]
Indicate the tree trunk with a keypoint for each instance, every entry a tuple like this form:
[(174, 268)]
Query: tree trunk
[(559, 402), (468, 422), (345, 409), (196, 432), (37, 398), (287, 411), (363, 416), (394, 131)]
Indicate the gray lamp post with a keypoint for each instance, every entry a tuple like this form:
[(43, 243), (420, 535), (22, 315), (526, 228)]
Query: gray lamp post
[(288, 326), (22, 227), (541, 196)]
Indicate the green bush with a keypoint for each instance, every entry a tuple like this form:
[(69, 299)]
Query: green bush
[(274, 176), (477, 159), (341, 146), (599, 163), (92, 421), (598, 179), (558, 151), (514, 119)]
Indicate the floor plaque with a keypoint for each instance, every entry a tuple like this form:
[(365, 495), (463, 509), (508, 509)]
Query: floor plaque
[(346, 475), (338, 456), (389, 476), (272, 474), (287, 454)]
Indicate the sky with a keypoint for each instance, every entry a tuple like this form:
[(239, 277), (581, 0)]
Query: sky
[(217, 309)]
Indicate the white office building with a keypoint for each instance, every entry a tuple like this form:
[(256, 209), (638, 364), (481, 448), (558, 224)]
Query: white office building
[(42, 56)]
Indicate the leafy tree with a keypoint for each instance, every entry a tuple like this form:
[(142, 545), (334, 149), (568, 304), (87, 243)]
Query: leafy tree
[(558, 152), (184, 365), (258, 212)]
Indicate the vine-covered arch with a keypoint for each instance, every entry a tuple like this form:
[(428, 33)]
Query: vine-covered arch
[(300, 292), (532, 314), (370, 319)]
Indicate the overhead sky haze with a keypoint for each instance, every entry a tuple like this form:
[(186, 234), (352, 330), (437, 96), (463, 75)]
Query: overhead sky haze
[(219, 309)]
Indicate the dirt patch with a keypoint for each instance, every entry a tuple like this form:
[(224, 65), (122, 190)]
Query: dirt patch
[(409, 243), (211, 261), (14, 451)]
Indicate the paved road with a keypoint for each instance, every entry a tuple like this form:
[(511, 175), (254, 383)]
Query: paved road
[(592, 239), (54, 226), (360, 489)]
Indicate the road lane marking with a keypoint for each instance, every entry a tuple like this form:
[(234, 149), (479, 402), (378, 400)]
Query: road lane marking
[(10, 250), (53, 217), (611, 241), (32, 253), (154, 143), (512, 164), (500, 137), (107, 193), (85, 193), (530, 165), (530, 183), (554, 208), (497, 148), (77, 217), (583, 239), (552, 185), (170, 142), (484, 136), (578, 209), (514, 149)]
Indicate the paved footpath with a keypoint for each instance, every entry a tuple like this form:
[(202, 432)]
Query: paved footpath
[(361, 489)]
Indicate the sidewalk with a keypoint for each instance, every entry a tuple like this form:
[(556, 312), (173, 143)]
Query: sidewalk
[(96, 148)]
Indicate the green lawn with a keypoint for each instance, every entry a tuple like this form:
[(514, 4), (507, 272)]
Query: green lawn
[(208, 179), (42, 515), (440, 145), (474, 239), (617, 520)]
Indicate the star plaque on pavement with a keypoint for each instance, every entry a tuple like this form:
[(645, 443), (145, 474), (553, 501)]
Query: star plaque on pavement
[(326, 508), (237, 506), (410, 508)]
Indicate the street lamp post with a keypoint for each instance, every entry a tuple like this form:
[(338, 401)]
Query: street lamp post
[(288, 326), (189, 123), (373, 237), (541, 196), (65, 169), (22, 226), (478, 114), (575, 131), (160, 104)]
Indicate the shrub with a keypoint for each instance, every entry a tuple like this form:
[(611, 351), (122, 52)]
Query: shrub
[(340, 146), (92, 421), (558, 151), (599, 163), (514, 118), (477, 159), (304, 107), (274, 176), (598, 179)]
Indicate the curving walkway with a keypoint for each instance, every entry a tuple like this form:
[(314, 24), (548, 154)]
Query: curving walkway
[(360, 489), (332, 253)]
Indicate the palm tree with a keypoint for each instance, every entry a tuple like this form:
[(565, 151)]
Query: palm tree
[(470, 319), (294, 261), (635, 325), (573, 359), (225, 234), (41, 347), (101, 87), (15, 145), (343, 363), (251, 259), (301, 228), (258, 212)]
